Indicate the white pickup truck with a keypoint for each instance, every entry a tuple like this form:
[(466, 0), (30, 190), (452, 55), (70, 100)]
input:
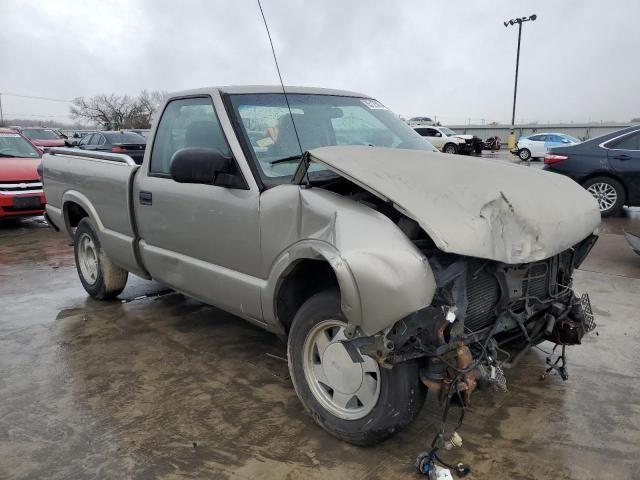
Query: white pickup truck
[(390, 268)]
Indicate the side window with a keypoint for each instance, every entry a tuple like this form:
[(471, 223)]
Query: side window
[(98, 139), (630, 142), (537, 138), (432, 132), (85, 139), (422, 131), (187, 122)]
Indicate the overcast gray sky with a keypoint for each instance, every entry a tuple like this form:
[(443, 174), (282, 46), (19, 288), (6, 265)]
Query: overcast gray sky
[(453, 59)]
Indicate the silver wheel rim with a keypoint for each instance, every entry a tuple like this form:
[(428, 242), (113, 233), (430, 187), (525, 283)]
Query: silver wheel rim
[(346, 389), (524, 155), (450, 150), (88, 258), (605, 194)]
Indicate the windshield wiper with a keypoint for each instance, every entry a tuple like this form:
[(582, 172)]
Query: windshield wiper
[(290, 158)]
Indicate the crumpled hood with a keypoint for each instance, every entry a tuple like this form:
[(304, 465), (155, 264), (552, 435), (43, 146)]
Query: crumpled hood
[(473, 206)]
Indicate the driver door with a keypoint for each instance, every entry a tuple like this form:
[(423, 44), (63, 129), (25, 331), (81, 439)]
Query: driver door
[(200, 239)]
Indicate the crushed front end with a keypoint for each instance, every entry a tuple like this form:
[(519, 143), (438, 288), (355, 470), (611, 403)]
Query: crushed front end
[(485, 316)]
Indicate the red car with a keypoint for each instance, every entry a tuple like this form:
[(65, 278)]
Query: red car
[(44, 138), (21, 192)]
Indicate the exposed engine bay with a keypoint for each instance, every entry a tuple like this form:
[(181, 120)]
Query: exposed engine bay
[(485, 315)]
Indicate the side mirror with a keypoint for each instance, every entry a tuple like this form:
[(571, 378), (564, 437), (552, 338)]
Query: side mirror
[(206, 166)]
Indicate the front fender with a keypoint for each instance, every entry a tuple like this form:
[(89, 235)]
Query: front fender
[(313, 250), (382, 276)]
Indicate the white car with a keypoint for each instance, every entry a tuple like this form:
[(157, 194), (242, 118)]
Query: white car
[(536, 145), (446, 140)]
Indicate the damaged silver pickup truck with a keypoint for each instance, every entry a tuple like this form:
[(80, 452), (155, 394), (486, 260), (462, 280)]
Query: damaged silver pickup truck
[(390, 267)]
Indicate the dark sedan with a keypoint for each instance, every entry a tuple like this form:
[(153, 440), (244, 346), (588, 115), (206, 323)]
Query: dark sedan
[(128, 143), (607, 166)]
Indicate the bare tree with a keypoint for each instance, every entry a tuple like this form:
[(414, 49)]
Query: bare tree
[(118, 111), (149, 103)]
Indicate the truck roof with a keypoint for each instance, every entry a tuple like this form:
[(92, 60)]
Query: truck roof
[(248, 89)]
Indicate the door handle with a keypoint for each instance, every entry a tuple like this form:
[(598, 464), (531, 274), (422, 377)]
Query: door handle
[(622, 157), (146, 198)]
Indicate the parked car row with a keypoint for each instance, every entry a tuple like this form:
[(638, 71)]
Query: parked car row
[(607, 166), (21, 148), (129, 143)]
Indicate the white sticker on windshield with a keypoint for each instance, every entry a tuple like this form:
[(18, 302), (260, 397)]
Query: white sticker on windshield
[(9, 135), (373, 104)]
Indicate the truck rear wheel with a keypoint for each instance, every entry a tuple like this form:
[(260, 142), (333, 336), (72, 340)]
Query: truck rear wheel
[(360, 403), (100, 277)]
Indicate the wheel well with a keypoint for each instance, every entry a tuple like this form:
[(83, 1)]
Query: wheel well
[(74, 213), (303, 280), (607, 175)]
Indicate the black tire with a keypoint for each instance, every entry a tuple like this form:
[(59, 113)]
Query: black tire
[(401, 393), (450, 148), (110, 279), (616, 208), (524, 154)]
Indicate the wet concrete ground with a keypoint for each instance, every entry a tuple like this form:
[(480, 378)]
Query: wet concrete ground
[(166, 387)]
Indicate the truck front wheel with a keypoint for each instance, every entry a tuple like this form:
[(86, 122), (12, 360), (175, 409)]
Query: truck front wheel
[(360, 403), (100, 277)]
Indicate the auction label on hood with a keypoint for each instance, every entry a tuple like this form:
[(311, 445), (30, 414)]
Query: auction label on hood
[(9, 135)]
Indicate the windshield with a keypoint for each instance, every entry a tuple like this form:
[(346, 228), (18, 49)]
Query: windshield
[(38, 134), (13, 145), (320, 121), (448, 132)]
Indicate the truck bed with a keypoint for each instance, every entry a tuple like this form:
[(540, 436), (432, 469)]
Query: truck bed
[(101, 184)]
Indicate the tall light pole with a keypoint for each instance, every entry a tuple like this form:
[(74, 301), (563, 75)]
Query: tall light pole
[(519, 22)]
